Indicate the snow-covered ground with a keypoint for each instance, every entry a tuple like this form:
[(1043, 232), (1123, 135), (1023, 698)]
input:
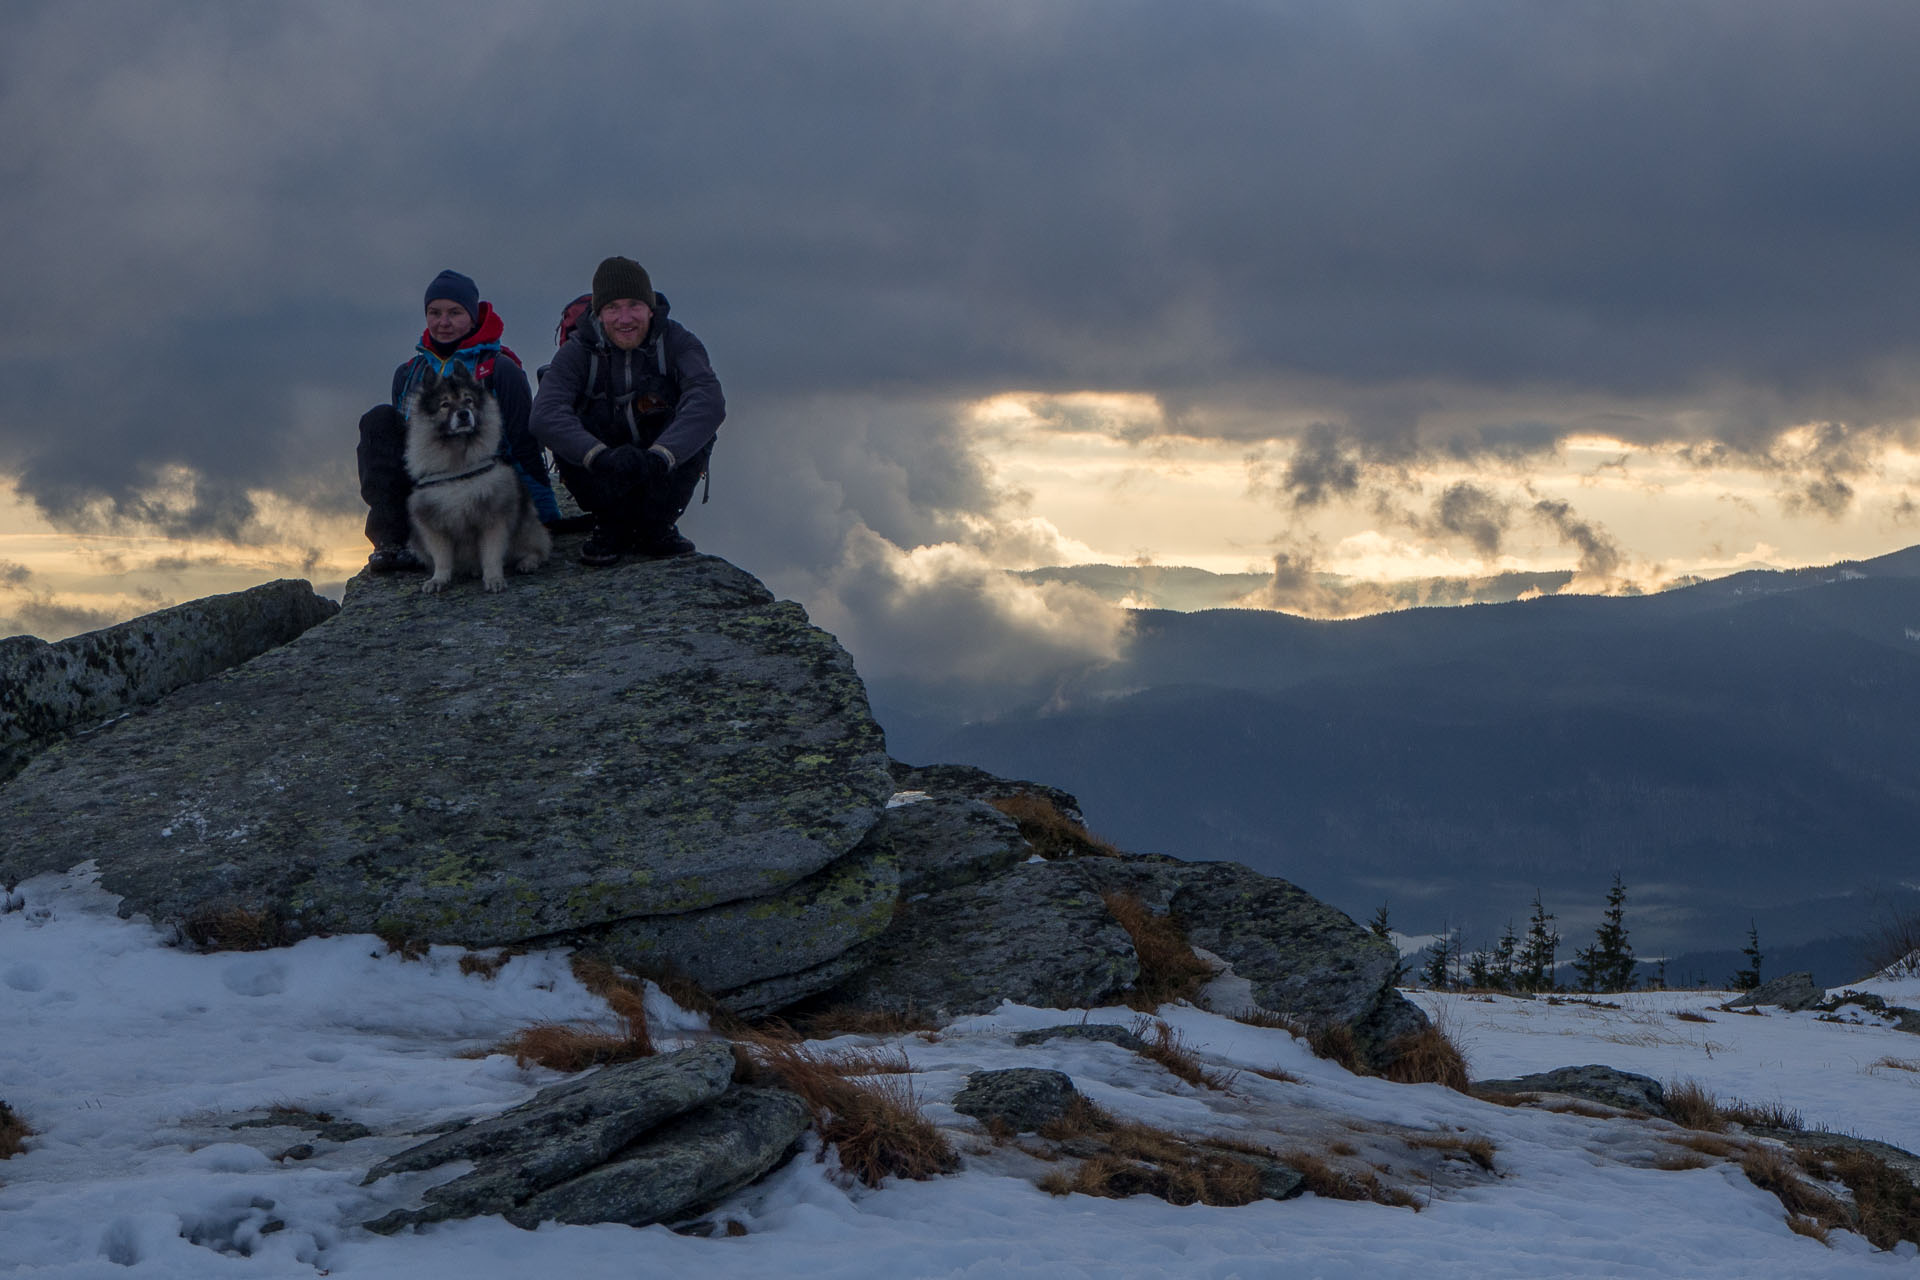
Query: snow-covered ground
[(133, 1060)]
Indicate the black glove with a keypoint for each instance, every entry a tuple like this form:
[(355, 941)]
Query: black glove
[(624, 465)]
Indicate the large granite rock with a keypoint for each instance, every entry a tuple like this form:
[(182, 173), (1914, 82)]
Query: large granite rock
[(585, 748), (48, 691)]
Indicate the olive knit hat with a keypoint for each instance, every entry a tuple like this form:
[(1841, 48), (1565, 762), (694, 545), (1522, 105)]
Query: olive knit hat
[(455, 288), (618, 278)]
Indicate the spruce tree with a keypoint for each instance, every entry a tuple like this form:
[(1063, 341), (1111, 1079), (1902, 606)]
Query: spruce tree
[(1382, 928), (1748, 978), (1607, 965), (1480, 970), (1501, 971), (1437, 972), (1538, 951)]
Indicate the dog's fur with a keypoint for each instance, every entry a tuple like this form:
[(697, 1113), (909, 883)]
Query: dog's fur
[(461, 521)]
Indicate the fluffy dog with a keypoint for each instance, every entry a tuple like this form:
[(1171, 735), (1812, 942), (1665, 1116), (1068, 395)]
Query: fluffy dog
[(468, 509)]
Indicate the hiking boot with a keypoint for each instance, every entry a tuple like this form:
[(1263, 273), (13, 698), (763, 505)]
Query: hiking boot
[(604, 546), (394, 560), (668, 542)]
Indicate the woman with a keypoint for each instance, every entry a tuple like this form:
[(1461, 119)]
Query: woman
[(460, 328)]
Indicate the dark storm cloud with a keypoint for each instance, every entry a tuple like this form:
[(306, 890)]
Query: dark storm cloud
[(1600, 555), (1323, 467), (218, 227), (1467, 511)]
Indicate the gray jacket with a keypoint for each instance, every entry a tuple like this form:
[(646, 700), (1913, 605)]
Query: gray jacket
[(663, 395)]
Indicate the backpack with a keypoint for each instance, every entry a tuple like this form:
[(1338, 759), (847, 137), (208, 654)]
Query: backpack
[(570, 319)]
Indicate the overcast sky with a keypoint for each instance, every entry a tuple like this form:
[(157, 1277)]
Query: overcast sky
[(1624, 287)]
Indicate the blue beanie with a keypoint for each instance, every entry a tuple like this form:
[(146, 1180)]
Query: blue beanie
[(456, 288)]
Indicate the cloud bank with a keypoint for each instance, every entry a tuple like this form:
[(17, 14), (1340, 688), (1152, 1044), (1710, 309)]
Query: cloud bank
[(1404, 253)]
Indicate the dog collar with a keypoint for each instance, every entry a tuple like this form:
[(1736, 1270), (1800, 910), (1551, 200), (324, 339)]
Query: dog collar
[(464, 475)]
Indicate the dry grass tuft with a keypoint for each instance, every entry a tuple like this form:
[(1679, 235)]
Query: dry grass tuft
[(1886, 1207), (1679, 1160), (876, 1126), (1081, 1119), (1762, 1115), (400, 943), (1709, 1144), (1335, 1043), (1051, 833), (1428, 1056), (1164, 1046), (1692, 1106), (1202, 1178), (1141, 1160), (851, 1020), (236, 929), (1478, 1150), (476, 964), (561, 1047), (564, 1047), (1773, 1170), (1894, 945), (1277, 1073), (13, 1132), (1688, 1015), (1806, 1227), (1898, 1064), (1324, 1180), (1168, 968), (1255, 1016)]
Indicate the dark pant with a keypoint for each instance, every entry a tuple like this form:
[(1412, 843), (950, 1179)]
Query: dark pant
[(646, 510), (384, 482)]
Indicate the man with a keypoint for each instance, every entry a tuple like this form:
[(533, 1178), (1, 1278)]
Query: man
[(629, 408), (460, 328)]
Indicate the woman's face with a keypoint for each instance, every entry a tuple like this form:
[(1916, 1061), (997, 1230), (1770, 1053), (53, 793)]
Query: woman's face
[(447, 321)]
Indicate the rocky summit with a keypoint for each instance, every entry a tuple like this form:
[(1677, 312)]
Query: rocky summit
[(659, 764), (582, 751)]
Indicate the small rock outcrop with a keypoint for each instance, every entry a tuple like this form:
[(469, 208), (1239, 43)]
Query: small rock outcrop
[(637, 1143), (1594, 1082), (48, 691), (1792, 992), (1023, 1099)]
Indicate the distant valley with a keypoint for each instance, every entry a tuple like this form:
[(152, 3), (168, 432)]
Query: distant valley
[(1742, 749)]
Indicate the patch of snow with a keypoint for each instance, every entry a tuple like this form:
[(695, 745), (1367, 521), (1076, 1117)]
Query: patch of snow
[(132, 1060)]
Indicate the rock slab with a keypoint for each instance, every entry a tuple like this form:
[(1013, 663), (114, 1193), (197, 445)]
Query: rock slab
[(637, 1143), (48, 691)]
